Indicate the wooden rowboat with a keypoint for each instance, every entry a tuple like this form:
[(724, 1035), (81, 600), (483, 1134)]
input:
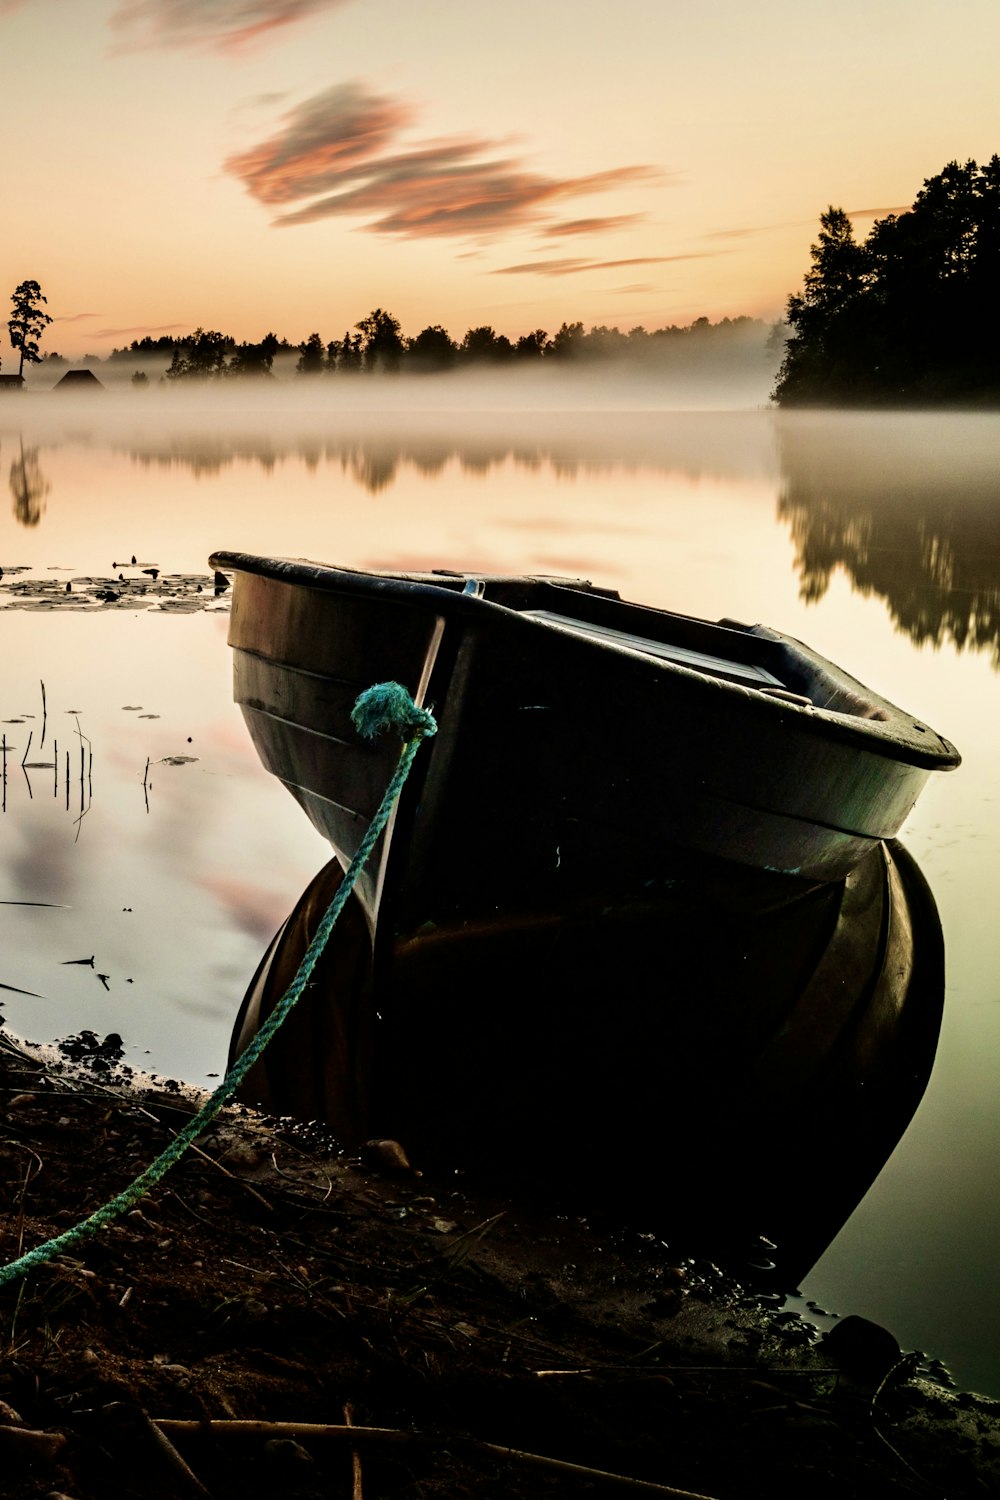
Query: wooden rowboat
[(640, 901)]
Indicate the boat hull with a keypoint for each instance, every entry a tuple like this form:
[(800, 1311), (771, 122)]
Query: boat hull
[(720, 1075), (637, 925)]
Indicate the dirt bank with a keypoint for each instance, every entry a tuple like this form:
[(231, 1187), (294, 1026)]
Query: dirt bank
[(270, 1282)]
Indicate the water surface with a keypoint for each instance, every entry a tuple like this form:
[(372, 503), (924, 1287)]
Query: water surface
[(171, 857)]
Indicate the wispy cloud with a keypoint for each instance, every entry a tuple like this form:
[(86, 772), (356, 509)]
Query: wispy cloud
[(331, 139), (75, 317), (223, 24), (730, 234), (339, 153), (746, 232), (591, 226), (142, 330), (878, 213), (571, 266)]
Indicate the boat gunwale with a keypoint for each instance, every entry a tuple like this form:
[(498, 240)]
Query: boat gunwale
[(879, 727)]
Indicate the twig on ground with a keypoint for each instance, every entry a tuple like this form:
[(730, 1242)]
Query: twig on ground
[(379, 1437), (356, 1490), (26, 1442)]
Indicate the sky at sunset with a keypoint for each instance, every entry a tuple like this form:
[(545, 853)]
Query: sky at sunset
[(287, 165)]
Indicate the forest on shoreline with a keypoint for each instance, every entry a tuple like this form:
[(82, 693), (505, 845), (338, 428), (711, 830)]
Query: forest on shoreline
[(910, 317), (377, 345)]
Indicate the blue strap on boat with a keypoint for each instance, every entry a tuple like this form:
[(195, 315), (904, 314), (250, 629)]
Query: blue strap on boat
[(384, 707)]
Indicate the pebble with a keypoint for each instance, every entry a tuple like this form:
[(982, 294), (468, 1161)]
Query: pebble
[(385, 1156), (288, 1453)]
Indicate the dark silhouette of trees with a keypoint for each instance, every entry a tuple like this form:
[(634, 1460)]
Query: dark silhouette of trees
[(569, 342), (382, 345), (253, 359), (349, 358), (532, 345), (146, 348), (911, 317), (433, 349), (27, 322), (485, 346), (207, 354), (200, 356), (312, 356), (378, 345)]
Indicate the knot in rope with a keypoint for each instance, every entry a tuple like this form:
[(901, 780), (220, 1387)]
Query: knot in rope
[(387, 705)]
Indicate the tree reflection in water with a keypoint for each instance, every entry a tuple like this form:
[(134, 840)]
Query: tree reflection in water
[(907, 506), (28, 486)]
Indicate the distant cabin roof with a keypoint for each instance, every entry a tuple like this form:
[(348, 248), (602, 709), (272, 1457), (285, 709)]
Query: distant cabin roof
[(79, 379)]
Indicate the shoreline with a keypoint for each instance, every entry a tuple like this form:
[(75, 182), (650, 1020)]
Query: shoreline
[(269, 1279)]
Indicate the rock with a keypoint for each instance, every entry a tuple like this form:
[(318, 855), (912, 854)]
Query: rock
[(862, 1349), (385, 1156)]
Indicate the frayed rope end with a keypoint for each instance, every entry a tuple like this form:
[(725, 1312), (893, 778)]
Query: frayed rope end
[(387, 706)]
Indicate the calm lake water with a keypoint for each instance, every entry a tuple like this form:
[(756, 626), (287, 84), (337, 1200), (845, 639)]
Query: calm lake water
[(141, 816)]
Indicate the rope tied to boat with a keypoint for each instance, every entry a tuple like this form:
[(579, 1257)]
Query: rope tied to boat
[(384, 707), (388, 706)]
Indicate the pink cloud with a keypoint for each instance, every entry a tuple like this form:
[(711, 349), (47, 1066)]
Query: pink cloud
[(209, 23), (570, 267), (330, 140), (591, 226), (343, 145)]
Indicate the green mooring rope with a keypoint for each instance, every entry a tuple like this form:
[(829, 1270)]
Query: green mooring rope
[(385, 706)]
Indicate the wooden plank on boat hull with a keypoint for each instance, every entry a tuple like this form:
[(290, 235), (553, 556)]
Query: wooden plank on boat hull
[(352, 774), (354, 640), (313, 700), (290, 754)]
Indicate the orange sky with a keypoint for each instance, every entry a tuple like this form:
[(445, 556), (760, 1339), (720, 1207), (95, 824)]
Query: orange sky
[(250, 165)]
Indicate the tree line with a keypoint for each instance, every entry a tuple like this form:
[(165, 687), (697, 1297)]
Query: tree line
[(376, 344), (910, 316)]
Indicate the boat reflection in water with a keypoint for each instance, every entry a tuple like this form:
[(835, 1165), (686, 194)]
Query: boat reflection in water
[(666, 959)]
